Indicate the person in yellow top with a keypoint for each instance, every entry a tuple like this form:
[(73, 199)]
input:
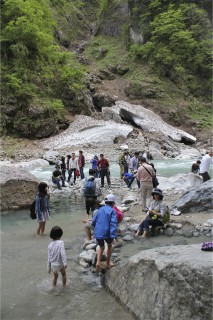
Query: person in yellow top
[(155, 214)]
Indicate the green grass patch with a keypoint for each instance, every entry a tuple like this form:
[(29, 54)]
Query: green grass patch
[(103, 51), (201, 113)]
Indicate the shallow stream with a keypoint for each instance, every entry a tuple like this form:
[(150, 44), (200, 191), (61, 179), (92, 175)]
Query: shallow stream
[(25, 284)]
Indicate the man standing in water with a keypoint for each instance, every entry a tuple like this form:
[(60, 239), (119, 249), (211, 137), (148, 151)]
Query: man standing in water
[(81, 164), (105, 223), (103, 167), (205, 165)]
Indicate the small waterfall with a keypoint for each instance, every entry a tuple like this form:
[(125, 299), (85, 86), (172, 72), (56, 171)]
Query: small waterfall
[(90, 98)]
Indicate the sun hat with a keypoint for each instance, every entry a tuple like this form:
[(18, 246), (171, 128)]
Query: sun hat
[(110, 198), (158, 191)]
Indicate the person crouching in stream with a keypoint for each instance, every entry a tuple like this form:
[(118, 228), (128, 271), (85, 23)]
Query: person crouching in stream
[(155, 214), (57, 177), (105, 223)]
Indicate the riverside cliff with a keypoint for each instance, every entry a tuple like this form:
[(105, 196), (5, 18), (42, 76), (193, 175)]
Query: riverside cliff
[(98, 48)]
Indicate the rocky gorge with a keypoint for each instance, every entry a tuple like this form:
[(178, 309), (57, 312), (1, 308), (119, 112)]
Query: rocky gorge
[(112, 132)]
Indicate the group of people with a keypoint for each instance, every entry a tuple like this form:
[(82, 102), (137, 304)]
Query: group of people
[(202, 167), (138, 167), (75, 166), (105, 215)]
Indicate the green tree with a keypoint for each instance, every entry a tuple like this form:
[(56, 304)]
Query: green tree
[(179, 45), (33, 62)]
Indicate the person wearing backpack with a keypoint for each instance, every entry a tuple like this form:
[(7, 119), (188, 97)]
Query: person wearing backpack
[(91, 190), (157, 214)]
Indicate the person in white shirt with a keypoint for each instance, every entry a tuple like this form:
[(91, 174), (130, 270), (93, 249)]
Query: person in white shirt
[(57, 260), (73, 165), (205, 165)]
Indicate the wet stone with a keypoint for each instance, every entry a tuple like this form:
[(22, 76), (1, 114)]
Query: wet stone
[(179, 232), (168, 232), (195, 234), (91, 246), (187, 233), (128, 238)]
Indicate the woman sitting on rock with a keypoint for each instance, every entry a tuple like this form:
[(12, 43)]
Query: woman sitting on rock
[(155, 214)]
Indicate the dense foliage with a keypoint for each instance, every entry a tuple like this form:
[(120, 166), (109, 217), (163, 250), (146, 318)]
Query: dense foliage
[(34, 66), (177, 43)]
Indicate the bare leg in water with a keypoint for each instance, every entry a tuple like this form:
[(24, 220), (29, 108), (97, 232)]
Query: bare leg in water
[(109, 252), (99, 256), (41, 228)]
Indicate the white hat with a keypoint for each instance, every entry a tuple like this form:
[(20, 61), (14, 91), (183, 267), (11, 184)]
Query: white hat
[(110, 198)]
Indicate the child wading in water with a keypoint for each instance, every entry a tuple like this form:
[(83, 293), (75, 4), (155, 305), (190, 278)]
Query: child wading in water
[(57, 260)]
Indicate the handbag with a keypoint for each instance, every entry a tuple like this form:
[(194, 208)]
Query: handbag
[(155, 182), (77, 173)]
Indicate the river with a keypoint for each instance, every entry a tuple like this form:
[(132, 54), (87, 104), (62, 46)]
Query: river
[(25, 284), (166, 168)]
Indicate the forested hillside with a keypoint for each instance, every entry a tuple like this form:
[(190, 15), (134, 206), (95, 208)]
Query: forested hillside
[(55, 54)]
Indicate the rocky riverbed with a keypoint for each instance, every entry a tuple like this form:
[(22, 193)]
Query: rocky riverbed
[(110, 133)]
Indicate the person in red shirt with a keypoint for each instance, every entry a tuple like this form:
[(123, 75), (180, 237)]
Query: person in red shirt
[(103, 167), (81, 164)]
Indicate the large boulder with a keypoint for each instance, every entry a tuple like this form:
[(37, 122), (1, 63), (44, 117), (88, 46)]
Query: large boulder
[(88, 131), (150, 122), (18, 187), (165, 283), (196, 200)]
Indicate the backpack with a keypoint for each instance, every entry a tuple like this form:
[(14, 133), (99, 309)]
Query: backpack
[(90, 188), (119, 214), (166, 217), (32, 210)]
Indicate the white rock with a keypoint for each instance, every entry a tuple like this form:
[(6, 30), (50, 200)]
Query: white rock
[(134, 227), (86, 130), (128, 199), (124, 147), (123, 209), (210, 221)]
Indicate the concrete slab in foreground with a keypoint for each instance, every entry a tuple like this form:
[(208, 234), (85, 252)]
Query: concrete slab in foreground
[(169, 283)]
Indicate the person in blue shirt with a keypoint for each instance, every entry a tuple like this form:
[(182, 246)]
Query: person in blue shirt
[(129, 177), (94, 162), (105, 223)]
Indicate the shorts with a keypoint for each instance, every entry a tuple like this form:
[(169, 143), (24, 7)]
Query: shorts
[(89, 226), (100, 242), (90, 203), (56, 267)]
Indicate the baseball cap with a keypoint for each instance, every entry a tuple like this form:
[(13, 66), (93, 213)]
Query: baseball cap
[(110, 198)]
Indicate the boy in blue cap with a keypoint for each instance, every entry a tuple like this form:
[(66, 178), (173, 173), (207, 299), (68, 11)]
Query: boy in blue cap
[(105, 223)]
